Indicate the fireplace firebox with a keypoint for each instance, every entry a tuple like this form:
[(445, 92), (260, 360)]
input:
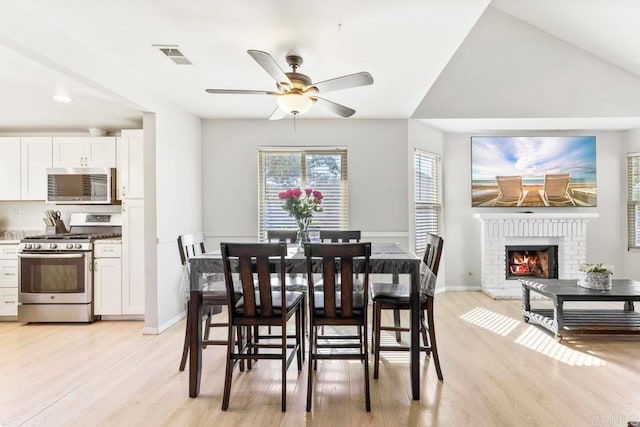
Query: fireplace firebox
[(532, 261)]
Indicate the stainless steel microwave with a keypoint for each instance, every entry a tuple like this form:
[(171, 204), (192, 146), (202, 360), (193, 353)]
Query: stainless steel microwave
[(81, 186)]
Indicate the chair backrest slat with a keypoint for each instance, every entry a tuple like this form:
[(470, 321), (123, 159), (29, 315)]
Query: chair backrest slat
[(287, 236), (255, 262), (337, 236), (433, 252), (190, 245), (339, 257)]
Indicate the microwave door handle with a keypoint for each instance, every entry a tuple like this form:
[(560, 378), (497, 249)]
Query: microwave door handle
[(51, 255)]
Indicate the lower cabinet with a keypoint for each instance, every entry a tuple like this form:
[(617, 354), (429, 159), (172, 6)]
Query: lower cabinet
[(8, 280), (107, 279)]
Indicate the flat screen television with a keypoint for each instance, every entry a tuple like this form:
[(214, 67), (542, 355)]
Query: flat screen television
[(533, 171)]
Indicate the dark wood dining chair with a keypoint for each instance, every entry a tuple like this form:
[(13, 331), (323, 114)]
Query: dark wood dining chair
[(259, 305), (281, 235), (212, 299), (330, 307), (395, 297), (340, 236)]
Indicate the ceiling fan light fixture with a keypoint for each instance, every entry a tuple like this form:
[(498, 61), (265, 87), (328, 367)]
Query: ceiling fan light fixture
[(294, 103), (60, 97)]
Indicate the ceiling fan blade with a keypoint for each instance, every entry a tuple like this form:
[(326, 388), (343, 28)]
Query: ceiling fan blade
[(270, 65), (352, 80), (277, 114), (334, 107), (242, 92)]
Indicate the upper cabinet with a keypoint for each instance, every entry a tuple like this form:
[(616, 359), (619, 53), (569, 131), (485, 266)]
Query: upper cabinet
[(9, 168), (92, 152), (23, 164), (35, 159), (130, 157)]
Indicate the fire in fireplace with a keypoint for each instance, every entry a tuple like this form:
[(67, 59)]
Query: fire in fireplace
[(534, 261)]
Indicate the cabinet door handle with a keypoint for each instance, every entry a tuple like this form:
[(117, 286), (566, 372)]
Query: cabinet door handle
[(9, 274), (124, 191)]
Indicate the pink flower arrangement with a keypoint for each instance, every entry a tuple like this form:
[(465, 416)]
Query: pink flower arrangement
[(301, 204)]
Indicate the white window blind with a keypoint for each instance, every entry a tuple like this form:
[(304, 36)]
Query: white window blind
[(321, 169), (633, 200), (426, 169)]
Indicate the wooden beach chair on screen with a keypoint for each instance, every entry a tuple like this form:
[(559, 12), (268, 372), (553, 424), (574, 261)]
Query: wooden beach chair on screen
[(556, 190), (511, 192)]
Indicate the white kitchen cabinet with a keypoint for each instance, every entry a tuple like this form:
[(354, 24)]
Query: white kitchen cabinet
[(107, 279), (8, 301), (130, 164), (133, 269), (8, 279), (9, 168), (93, 152), (36, 157)]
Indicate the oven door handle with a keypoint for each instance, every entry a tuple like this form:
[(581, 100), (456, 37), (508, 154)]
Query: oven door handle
[(51, 255)]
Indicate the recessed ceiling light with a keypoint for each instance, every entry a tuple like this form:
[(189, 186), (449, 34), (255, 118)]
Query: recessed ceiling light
[(62, 98)]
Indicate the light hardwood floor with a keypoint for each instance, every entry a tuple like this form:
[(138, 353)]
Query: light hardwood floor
[(498, 371)]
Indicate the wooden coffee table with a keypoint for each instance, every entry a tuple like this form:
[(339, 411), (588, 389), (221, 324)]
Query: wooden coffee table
[(582, 321)]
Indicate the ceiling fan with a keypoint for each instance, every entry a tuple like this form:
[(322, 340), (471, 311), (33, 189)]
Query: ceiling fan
[(296, 92)]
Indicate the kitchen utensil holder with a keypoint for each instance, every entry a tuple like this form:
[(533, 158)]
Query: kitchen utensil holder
[(58, 228)]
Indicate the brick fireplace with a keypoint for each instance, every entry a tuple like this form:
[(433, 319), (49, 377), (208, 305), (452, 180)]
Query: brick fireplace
[(566, 231)]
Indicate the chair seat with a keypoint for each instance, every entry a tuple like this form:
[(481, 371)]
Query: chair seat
[(292, 298), (393, 293), (358, 302)]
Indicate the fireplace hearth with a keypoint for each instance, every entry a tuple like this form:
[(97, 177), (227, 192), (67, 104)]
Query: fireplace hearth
[(531, 261)]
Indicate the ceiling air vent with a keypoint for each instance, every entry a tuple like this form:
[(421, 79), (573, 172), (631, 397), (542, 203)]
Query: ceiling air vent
[(174, 54)]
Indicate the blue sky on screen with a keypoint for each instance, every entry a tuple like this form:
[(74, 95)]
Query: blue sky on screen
[(533, 157)]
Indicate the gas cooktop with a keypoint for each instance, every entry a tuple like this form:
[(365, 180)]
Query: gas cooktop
[(73, 236)]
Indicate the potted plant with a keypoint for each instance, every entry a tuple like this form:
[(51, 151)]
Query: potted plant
[(595, 276), (301, 205)]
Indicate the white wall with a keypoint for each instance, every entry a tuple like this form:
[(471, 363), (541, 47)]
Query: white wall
[(377, 170), (605, 235), (175, 204)]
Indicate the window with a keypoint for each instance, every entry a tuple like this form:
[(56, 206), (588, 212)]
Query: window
[(426, 169), (321, 169), (633, 200)]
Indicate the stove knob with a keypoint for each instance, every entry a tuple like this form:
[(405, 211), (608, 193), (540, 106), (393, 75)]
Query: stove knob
[(27, 245), (77, 245), (69, 246), (36, 246), (52, 246)]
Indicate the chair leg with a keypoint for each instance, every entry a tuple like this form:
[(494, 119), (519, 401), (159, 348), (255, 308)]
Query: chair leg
[(396, 323), (432, 337), (299, 337), (376, 351), (373, 328), (207, 325), (283, 349), (249, 347), (239, 333), (185, 349), (365, 357), (229, 369), (303, 321), (423, 329), (315, 342), (312, 330)]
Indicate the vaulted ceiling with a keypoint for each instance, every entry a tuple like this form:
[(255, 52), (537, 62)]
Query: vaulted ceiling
[(102, 55)]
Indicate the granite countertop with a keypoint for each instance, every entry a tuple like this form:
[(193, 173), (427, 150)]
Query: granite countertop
[(14, 236)]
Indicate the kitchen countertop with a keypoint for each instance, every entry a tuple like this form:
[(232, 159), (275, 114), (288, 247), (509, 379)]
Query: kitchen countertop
[(117, 240), (14, 236)]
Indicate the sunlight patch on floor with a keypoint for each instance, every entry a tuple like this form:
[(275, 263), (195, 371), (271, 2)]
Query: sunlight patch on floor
[(540, 341), (491, 321)]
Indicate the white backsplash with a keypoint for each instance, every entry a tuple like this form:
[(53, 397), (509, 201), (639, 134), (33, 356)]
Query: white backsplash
[(28, 215)]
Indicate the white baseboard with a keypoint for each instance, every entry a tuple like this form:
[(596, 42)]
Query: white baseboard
[(169, 323)]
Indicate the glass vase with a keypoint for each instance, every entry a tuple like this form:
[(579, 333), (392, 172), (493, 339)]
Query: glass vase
[(303, 233)]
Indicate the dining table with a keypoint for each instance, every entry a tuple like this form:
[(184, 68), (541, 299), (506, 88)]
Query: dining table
[(386, 258)]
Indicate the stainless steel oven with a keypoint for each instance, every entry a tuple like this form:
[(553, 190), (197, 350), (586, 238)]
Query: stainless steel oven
[(55, 272), (55, 285)]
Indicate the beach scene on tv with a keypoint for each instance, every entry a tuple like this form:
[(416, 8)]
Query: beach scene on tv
[(533, 171)]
